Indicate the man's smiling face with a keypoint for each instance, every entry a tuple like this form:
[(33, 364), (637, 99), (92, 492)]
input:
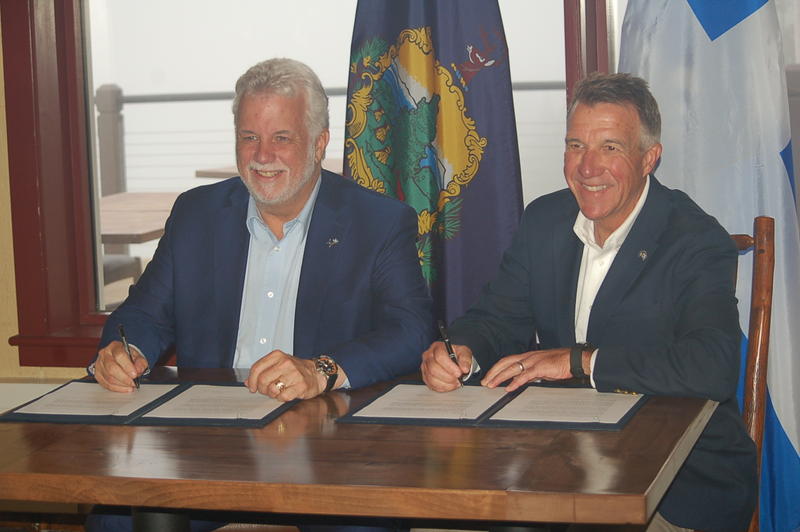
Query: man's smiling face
[(604, 163)]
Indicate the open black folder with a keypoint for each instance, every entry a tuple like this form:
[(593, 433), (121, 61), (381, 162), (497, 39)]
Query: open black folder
[(218, 404), (535, 406)]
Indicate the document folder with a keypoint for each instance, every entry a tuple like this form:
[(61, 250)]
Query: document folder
[(533, 406), (84, 401)]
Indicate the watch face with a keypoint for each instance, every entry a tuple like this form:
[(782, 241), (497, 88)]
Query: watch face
[(326, 365)]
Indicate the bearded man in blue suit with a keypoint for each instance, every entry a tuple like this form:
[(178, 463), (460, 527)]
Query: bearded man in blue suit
[(626, 282), (309, 280)]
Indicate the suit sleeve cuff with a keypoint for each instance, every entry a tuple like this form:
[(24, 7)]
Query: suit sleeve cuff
[(473, 369), (591, 368)]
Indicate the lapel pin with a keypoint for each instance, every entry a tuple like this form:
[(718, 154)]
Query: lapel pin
[(332, 242), (643, 255)]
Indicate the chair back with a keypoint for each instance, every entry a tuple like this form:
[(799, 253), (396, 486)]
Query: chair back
[(762, 244)]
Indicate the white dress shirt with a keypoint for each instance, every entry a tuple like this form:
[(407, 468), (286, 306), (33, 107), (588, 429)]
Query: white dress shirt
[(272, 278), (595, 263)]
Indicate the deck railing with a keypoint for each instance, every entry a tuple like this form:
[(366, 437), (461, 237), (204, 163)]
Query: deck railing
[(110, 102)]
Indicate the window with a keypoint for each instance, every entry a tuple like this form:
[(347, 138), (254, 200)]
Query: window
[(49, 156)]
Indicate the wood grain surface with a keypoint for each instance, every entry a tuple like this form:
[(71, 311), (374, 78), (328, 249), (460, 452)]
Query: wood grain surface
[(306, 462)]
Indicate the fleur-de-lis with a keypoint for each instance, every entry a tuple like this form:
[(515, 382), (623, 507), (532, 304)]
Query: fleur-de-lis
[(332, 241), (643, 255)]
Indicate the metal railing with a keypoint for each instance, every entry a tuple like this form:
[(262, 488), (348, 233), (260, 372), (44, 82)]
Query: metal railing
[(110, 101)]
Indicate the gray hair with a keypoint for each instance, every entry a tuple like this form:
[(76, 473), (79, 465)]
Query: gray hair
[(621, 89), (286, 77)]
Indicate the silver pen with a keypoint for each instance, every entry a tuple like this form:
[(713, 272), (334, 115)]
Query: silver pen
[(128, 350)]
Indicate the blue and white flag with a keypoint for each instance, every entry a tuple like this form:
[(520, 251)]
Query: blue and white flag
[(716, 69)]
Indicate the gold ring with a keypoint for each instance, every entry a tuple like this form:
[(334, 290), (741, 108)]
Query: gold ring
[(521, 368), (280, 385)]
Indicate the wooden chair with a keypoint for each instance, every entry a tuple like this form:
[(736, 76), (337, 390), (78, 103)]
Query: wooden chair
[(117, 267), (255, 527), (755, 380)]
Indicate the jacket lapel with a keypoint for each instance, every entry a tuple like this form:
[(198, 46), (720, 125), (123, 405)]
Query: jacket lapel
[(639, 246), (325, 242), (230, 245), (568, 254)]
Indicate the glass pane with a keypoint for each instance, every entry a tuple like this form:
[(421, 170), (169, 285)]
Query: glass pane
[(161, 78), (615, 16), (535, 35)]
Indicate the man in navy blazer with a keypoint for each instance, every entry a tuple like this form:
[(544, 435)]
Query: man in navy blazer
[(626, 282), (354, 309)]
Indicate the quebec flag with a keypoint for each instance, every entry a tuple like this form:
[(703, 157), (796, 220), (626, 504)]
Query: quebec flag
[(715, 67)]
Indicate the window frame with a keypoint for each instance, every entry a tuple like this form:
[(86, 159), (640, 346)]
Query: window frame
[(48, 158), (49, 184)]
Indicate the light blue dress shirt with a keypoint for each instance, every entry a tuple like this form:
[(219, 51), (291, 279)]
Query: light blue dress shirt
[(272, 277)]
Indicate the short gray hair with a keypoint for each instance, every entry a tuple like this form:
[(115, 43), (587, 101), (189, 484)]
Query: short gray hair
[(286, 77), (621, 89)]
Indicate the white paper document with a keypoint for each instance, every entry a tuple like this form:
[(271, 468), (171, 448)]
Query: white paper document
[(91, 399), (567, 405), (216, 402), (13, 394), (418, 401)]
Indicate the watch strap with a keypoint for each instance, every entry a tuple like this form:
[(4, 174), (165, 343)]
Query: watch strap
[(576, 359), (331, 381)]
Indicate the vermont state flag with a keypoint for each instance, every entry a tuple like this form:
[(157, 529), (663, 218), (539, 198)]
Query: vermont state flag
[(715, 67), (430, 121)]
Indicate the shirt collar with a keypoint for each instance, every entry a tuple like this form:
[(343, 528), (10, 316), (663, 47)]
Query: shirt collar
[(259, 230), (584, 227)]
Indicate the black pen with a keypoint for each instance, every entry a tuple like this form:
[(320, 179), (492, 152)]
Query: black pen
[(128, 350), (449, 346)]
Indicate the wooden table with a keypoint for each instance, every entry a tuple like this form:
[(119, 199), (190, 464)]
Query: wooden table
[(224, 172), (134, 217), (304, 463)]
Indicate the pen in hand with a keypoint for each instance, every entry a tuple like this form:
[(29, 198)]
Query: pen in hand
[(449, 346), (128, 350)]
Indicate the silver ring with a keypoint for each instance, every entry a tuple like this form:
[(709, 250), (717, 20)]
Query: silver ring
[(280, 385), (521, 368)]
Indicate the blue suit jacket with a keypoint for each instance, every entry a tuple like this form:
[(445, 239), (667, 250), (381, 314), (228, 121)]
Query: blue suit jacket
[(664, 320), (361, 299)]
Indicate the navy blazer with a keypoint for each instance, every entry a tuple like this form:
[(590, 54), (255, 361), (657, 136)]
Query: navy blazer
[(665, 322), (361, 299)]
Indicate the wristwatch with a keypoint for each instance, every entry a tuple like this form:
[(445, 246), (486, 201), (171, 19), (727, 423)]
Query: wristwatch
[(328, 367), (576, 359)]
